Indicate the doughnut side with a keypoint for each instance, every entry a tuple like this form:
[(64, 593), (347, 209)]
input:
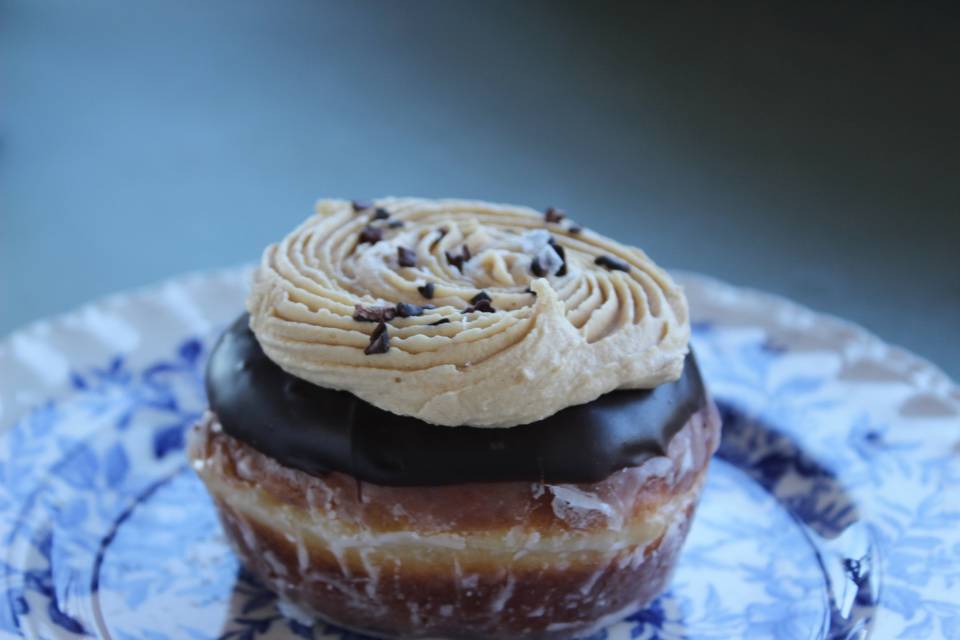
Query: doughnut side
[(480, 560)]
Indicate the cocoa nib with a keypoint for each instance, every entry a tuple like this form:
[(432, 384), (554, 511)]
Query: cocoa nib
[(363, 313), (407, 310), (441, 232), (611, 263), (536, 268), (381, 214), (483, 306), (379, 340), (553, 215), (483, 295), (361, 205), (371, 234), (427, 290), (406, 257), (457, 260)]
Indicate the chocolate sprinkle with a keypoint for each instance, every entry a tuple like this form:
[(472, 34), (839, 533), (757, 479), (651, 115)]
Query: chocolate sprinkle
[(457, 260), (373, 314), (427, 290), (407, 310), (483, 295), (395, 224), (371, 234), (439, 322), (361, 205), (483, 306), (381, 214), (611, 263), (536, 268), (379, 341), (575, 229), (406, 257), (530, 291), (378, 330), (553, 215), (442, 231)]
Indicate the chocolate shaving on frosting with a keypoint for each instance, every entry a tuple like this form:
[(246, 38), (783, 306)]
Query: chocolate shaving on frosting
[(611, 263), (457, 259), (536, 268), (371, 234), (553, 215), (441, 233), (407, 310), (406, 257), (379, 341), (363, 313), (480, 305)]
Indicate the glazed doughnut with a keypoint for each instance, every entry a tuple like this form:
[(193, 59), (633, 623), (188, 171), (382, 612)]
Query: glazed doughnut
[(360, 471)]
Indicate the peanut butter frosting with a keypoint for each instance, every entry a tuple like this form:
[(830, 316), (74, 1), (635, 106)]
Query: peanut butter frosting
[(464, 313)]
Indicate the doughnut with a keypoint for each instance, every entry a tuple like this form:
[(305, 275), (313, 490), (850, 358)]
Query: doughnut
[(456, 419)]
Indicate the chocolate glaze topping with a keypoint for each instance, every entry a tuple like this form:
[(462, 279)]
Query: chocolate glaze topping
[(319, 430)]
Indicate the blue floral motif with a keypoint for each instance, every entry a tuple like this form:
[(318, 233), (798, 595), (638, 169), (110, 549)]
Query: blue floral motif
[(811, 495)]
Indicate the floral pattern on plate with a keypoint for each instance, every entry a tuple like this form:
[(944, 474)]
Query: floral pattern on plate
[(831, 511)]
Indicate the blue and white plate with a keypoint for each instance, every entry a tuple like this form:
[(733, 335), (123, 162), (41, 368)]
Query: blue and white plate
[(831, 511)]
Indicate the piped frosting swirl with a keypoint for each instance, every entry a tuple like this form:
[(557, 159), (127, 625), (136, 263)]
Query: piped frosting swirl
[(465, 313)]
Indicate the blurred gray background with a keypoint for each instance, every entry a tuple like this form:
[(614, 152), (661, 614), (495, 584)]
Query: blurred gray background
[(808, 151)]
